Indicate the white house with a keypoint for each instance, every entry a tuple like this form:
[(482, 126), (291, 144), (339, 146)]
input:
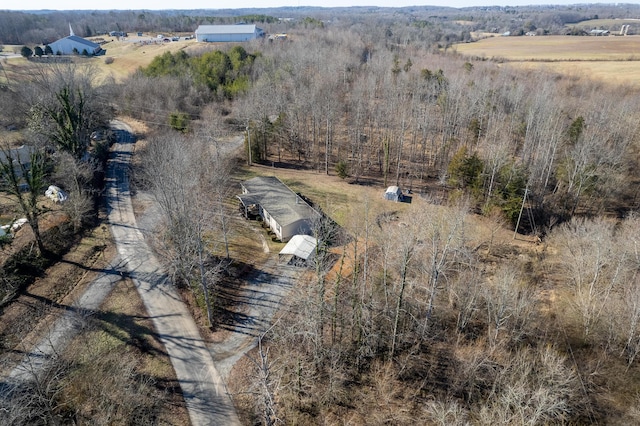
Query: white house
[(286, 213), (228, 33)]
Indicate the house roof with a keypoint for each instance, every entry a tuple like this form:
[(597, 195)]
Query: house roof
[(302, 246), (393, 190), (22, 154), (226, 29), (284, 205)]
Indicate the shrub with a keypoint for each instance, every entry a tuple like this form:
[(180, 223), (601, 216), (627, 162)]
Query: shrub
[(342, 169)]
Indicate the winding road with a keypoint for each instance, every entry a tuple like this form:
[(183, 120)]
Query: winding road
[(204, 391)]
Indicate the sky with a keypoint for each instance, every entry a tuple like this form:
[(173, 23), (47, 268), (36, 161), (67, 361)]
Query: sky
[(238, 4)]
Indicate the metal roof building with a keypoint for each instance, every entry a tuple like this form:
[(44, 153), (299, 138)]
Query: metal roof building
[(286, 213), (393, 193), (66, 46), (228, 33)]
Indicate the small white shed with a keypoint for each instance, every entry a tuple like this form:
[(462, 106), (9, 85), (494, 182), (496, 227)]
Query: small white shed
[(393, 193)]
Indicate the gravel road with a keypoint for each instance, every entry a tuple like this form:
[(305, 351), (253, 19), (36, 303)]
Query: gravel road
[(203, 387), (204, 391)]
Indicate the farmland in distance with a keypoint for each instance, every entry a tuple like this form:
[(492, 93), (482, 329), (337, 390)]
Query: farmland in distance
[(609, 59)]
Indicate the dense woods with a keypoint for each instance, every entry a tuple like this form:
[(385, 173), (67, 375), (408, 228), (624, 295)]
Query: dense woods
[(431, 320)]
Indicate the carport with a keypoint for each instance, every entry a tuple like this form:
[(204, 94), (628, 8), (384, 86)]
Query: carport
[(299, 249)]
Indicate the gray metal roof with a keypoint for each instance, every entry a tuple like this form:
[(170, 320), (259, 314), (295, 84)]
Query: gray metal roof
[(83, 41), (22, 154), (226, 29), (284, 205)]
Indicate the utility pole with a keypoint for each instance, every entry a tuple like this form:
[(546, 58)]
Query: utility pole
[(249, 144), (524, 199)]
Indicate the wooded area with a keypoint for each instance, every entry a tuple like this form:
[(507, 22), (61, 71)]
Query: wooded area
[(425, 318)]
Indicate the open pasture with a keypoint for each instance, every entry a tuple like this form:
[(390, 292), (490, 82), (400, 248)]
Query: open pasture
[(554, 48), (610, 59), (604, 23), (129, 55)]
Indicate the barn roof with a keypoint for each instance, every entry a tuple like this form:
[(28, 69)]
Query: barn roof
[(284, 205), (226, 29)]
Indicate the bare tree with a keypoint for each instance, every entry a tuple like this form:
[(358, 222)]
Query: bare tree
[(593, 267), (181, 182), (24, 181), (532, 389), (510, 304), (75, 177), (267, 384)]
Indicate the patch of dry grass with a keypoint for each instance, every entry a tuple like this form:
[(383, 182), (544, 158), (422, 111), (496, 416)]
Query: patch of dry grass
[(554, 48), (127, 364), (613, 60), (597, 23)]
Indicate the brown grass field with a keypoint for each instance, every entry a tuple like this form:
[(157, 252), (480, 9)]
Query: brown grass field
[(609, 59), (597, 23), (127, 55)]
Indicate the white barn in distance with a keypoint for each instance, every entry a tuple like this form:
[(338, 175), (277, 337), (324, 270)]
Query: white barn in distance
[(228, 33)]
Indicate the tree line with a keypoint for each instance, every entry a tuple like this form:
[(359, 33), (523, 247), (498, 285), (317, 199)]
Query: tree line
[(443, 25)]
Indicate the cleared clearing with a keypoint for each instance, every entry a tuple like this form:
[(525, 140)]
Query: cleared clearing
[(609, 59), (598, 23), (555, 48), (129, 55)]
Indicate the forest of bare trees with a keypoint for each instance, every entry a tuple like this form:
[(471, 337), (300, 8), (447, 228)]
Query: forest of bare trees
[(431, 321), (443, 25)]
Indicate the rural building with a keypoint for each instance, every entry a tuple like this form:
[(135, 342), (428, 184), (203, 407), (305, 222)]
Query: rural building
[(299, 249), (227, 33), (393, 193), (284, 211), (73, 44), (20, 157)]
